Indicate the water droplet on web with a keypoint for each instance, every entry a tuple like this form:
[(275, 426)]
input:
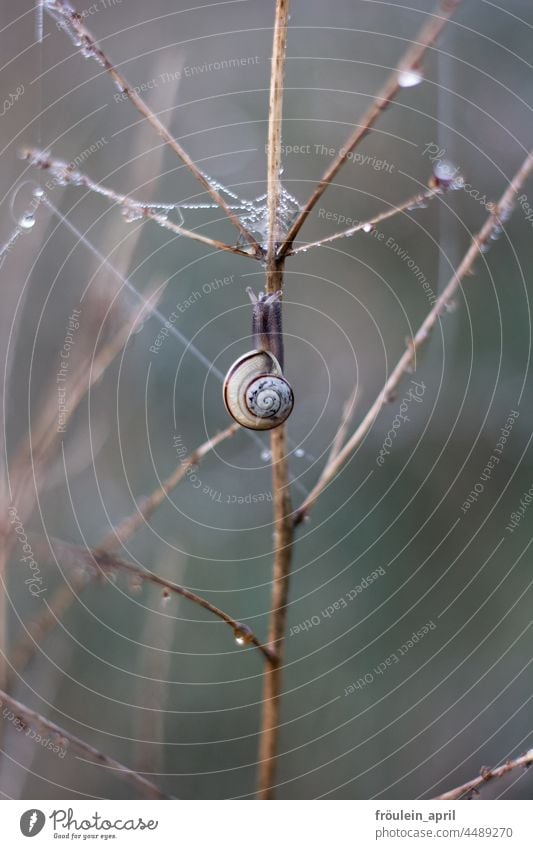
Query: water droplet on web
[(299, 452), (367, 228), (266, 455), (409, 77), (38, 192), (27, 221)]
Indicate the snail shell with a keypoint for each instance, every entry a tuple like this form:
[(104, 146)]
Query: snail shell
[(256, 394)]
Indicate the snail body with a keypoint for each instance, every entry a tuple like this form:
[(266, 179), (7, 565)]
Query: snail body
[(256, 394)]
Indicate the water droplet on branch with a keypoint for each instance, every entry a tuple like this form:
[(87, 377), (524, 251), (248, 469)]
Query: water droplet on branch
[(27, 221), (243, 634), (409, 77)]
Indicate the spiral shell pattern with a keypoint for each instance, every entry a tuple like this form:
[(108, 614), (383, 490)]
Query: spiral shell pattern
[(256, 394)]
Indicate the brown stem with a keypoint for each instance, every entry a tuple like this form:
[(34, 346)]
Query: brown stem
[(66, 594), (407, 361), (125, 529), (485, 775), (274, 126), (283, 527), (36, 630), (106, 562), (24, 717), (63, 171), (369, 225), (74, 21), (411, 61)]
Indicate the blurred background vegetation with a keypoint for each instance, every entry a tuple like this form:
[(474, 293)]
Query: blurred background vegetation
[(164, 688)]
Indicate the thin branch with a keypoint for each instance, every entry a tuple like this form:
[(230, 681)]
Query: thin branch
[(63, 172), (410, 62), (342, 430), (370, 224), (44, 436), (28, 718), (500, 213), (74, 24), (485, 775), (146, 507), (66, 594), (105, 562), (283, 527), (35, 632), (274, 125)]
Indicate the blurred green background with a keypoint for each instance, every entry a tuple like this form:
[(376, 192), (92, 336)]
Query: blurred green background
[(164, 688)]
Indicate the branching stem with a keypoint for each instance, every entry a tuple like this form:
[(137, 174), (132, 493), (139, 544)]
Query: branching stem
[(469, 787)]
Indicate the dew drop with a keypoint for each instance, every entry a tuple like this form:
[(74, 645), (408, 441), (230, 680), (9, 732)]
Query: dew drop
[(299, 452), (367, 228), (38, 192), (266, 455), (27, 221), (243, 634), (409, 77)]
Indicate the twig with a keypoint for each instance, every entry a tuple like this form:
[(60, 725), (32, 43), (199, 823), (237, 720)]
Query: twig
[(66, 594), (38, 628), (74, 23), (485, 775), (283, 529), (410, 62), (30, 718), (274, 125), (369, 225), (146, 507), (104, 562), (500, 213), (45, 435), (342, 430), (67, 175)]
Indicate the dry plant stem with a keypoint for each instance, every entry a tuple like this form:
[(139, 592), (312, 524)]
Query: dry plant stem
[(342, 430), (369, 225), (283, 528), (146, 507), (77, 178), (274, 125), (408, 359), (66, 594), (486, 775), (105, 563), (36, 631), (108, 562), (38, 723), (411, 61), (42, 440), (75, 21)]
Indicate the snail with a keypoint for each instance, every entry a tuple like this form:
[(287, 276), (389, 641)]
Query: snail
[(256, 394)]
